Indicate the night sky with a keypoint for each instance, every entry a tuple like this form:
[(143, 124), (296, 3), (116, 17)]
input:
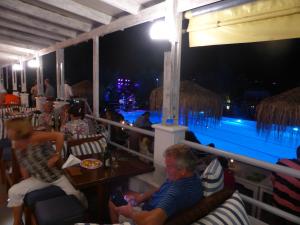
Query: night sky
[(228, 70)]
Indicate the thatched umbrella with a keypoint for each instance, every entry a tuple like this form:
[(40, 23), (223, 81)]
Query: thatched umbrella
[(279, 111), (200, 103), (83, 89)]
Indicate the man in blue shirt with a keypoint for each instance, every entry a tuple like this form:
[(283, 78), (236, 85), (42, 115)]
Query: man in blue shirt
[(181, 190)]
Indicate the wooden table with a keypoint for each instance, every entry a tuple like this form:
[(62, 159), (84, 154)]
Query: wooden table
[(102, 178)]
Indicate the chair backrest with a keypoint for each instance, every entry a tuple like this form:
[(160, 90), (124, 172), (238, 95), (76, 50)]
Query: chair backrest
[(201, 209), (87, 145)]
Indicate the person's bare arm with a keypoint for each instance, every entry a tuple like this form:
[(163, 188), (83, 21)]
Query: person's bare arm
[(154, 217), (57, 137)]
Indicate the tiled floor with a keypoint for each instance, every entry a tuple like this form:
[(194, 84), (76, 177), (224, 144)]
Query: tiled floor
[(5, 213)]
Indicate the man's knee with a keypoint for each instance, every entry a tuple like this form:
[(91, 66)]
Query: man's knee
[(15, 190)]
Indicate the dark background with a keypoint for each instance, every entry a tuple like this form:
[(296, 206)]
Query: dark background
[(245, 72)]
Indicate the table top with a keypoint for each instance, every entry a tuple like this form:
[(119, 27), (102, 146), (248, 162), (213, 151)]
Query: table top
[(128, 166)]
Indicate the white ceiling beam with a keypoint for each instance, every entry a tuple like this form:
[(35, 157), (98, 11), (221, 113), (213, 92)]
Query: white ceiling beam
[(9, 51), (45, 15), (5, 55), (129, 6), (15, 49), (15, 26), (26, 37), (184, 5), (19, 43), (35, 23), (81, 10), (148, 14)]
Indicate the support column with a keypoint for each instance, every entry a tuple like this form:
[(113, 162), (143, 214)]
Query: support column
[(60, 78), (23, 77), (14, 80), (96, 76), (41, 74), (172, 63), (1, 76), (165, 135), (24, 95), (39, 81), (7, 84)]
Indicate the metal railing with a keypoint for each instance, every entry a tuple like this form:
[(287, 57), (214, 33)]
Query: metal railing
[(244, 159), (215, 151), (257, 163), (125, 126)]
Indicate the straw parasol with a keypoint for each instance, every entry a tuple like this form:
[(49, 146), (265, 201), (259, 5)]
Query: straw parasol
[(279, 111), (200, 103), (83, 89)]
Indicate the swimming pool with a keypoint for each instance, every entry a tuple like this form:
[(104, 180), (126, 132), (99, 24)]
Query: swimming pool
[(238, 136)]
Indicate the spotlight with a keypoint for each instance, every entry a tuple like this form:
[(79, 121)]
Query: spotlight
[(159, 31), (17, 67)]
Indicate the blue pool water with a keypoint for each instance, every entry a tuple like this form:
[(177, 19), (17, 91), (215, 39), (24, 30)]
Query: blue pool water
[(238, 136)]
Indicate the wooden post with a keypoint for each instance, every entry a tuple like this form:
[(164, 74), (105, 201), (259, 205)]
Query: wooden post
[(172, 66), (96, 76)]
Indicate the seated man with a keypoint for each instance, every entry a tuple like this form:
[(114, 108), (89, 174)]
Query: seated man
[(48, 117), (143, 121), (181, 190)]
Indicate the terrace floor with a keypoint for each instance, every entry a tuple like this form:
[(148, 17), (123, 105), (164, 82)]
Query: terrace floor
[(5, 213)]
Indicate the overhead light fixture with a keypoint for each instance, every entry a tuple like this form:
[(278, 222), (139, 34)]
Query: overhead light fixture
[(159, 31), (17, 67), (33, 63)]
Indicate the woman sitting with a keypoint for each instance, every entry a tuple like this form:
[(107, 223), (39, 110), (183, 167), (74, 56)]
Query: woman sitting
[(38, 164), (76, 126)]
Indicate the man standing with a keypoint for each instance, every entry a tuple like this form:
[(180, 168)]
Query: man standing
[(49, 92), (181, 190), (286, 189), (34, 93), (68, 90)]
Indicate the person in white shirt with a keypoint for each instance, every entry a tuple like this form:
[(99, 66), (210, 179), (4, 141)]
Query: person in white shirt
[(68, 91), (2, 94)]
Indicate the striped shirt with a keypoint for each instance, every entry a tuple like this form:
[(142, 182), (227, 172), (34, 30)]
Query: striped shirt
[(174, 196), (286, 190), (35, 161)]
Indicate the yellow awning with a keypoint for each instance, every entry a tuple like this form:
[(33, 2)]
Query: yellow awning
[(262, 20)]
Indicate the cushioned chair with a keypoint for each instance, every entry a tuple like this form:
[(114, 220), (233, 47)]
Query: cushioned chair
[(62, 210), (33, 197), (201, 209)]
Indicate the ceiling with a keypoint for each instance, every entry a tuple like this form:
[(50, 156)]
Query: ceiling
[(30, 25)]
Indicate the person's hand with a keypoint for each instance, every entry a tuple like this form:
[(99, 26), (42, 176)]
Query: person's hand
[(134, 197), (53, 160), (125, 210)]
